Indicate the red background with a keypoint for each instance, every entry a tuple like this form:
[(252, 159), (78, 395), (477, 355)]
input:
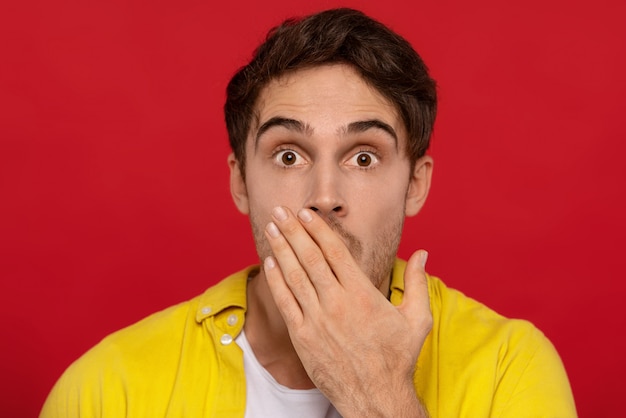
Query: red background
[(114, 198)]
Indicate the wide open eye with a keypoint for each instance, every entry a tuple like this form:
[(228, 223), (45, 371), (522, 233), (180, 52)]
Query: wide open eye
[(288, 158), (363, 159)]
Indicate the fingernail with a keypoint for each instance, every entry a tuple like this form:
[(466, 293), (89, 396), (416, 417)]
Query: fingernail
[(279, 213), (269, 263), (423, 258), (272, 229), (305, 215)]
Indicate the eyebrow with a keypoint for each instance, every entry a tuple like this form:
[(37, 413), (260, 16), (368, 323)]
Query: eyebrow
[(290, 124), (365, 125), (302, 128)]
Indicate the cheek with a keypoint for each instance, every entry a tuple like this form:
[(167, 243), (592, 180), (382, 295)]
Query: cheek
[(377, 209), (382, 196), (267, 192)]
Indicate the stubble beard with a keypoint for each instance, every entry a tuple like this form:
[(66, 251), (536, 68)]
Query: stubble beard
[(376, 262)]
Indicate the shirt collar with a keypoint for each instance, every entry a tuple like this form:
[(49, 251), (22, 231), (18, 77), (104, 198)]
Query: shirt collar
[(396, 287), (228, 293), (231, 292)]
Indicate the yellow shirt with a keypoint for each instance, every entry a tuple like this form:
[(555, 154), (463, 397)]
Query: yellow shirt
[(183, 361)]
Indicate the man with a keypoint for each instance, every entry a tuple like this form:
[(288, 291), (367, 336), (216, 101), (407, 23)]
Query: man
[(329, 126)]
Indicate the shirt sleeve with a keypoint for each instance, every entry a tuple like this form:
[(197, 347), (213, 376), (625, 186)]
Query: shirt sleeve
[(535, 384), (90, 387)]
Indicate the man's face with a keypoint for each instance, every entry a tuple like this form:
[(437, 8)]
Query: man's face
[(326, 140)]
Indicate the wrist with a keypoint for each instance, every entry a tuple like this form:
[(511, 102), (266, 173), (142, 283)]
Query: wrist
[(398, 402)]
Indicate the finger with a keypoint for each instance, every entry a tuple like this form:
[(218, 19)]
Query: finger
[(283, 297), (416, 301), (310, 257), (334, 250), (292, 272)]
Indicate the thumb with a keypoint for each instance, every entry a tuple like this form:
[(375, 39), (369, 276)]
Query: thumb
[(416, 303)]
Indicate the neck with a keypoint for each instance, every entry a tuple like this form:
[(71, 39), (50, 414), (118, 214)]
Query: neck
[(269, 338)]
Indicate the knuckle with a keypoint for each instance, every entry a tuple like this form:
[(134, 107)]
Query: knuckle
[(334, 253), (336, 310), (290, 317), (296, 277), (425, 323), (362, 300), (311, 256), (304, 336), (282, 302)]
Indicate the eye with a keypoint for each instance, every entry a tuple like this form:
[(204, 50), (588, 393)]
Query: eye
[(288, 158), (364, 159)]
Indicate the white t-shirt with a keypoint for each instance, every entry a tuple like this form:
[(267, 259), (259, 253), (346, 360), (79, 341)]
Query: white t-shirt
[(265, 397)]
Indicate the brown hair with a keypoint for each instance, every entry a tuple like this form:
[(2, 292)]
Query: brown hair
[(383, 58)]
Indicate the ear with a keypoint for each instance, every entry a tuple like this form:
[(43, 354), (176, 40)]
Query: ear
[(419, 185), (238, 189)]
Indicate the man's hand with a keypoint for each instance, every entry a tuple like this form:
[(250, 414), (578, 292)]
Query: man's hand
[(357, 348)]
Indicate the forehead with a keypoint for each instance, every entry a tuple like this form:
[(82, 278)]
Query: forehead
[(324, 96)]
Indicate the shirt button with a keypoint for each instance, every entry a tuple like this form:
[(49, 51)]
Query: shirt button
[(226, 339), (232, 319), (206, 310)]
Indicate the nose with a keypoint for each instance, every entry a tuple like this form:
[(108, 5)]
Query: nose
[(326, 192)]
